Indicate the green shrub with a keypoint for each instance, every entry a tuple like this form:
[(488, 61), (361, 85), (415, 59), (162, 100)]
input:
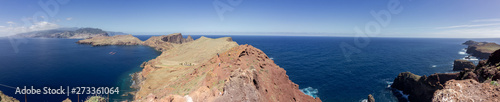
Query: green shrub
[(494, 83)]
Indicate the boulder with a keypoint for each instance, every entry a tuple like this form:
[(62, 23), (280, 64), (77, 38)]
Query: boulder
[(370, 98)]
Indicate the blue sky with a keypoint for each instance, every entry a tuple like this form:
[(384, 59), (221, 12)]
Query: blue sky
[(418, 18)]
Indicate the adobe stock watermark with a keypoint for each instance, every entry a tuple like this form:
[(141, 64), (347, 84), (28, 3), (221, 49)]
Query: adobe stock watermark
[(372, 28), (50, 9), (223, 7)]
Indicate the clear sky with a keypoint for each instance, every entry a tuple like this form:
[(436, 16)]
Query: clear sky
[(417, 18)]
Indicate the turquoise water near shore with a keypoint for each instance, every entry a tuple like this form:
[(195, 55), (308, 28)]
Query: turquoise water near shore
[(316, 64)]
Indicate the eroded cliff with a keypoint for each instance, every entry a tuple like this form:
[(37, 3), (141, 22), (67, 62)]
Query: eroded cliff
[(481, 50), (477, 84), (208, 70)]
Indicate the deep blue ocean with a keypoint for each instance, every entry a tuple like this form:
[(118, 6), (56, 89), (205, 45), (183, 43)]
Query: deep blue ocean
[(317, 64)]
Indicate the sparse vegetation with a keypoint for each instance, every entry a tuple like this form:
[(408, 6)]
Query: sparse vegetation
[(494, 83), (95, 99)]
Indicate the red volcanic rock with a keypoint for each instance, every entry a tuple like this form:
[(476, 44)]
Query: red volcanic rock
[(467, 91), (255, 77), (223, 71)]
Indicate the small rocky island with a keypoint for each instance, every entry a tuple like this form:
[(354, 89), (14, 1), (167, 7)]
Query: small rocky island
[(472, 83), (207, 70)]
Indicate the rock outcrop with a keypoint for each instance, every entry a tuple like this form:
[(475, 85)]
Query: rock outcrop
[(467, 91), (459, 65), (370, 98), (421, 88), (5, 98), (477, 84), (66, 100), (165, 42), (481, 50), (207, 70), (111, 40), (488, 70), (176, 38)]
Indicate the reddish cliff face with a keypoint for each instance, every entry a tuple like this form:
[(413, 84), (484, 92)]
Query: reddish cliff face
[(251, 76), (208, 70)]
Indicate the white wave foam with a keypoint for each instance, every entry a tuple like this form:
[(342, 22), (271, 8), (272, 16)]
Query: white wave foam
[(389, 83), (310, 91), (434, 66), (364, 100), (402, 94), (462, 53), (405, 96), (471, 58), (271, 58)]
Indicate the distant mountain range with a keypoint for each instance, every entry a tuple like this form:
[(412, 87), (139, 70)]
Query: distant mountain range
[(72, 33)]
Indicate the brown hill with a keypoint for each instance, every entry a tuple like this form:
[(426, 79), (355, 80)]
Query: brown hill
[(213, 70)]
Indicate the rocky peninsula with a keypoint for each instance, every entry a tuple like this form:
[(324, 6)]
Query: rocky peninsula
[(210, 70), (481, 50), (71, 33), (111, 40), (479, 83)]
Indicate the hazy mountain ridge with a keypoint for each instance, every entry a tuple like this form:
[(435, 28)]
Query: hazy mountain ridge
[(73, 33)]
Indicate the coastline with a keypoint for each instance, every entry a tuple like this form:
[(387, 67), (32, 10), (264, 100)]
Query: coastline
[(171, 64), (448, 86)]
